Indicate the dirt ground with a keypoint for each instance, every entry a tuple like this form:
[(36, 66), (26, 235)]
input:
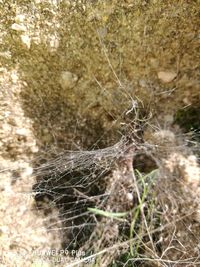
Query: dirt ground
[(70, 72)]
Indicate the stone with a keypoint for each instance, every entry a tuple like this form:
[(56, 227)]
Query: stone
[(166, 76), (26, 40), (68, 79), (18, 27), (22, 132), (19, 18)]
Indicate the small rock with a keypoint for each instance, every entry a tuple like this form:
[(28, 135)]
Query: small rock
[(18, 27), (129, 196), (166, 76), (22, 132), (14, 77), (68, 80), (26, 40), (19, 18), (34, 149)]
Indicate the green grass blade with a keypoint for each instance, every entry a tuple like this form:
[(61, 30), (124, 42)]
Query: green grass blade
[(107, 213)]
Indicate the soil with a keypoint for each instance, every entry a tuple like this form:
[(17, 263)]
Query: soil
[(71, 75)]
